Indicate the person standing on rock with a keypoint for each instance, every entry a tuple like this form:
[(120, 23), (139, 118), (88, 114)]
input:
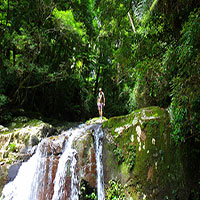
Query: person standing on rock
[(101, 102)]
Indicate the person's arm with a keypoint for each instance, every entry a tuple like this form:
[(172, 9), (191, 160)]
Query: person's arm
[(104, 99)]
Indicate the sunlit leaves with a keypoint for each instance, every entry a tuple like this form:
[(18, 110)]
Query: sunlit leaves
[(3, 13), (66, 21)]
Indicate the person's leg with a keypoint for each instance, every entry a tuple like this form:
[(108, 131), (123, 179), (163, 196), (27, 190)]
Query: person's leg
[(101, 110)]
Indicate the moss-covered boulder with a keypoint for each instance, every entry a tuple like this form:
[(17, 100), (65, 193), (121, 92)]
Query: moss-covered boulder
[(19, 138), (17, 142), (139, 152)]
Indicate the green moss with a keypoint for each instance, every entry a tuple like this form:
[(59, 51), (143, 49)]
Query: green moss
[(124, 169), (6, 132), (96, 120), (109, 160), (155, 157), (33, 122)]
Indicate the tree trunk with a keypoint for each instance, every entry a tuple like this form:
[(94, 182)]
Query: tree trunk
[(133, 27)]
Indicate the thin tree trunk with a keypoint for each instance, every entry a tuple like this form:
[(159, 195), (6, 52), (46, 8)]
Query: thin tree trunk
[(133, 27)]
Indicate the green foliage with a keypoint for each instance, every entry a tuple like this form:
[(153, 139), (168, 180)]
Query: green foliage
[(86, 192), (131, 158), (128, 156), (65, 21), (55, 55), (115, 191), (185, 85), (153, 4), (92, 196), (47, 57), (12, 147), (3, 100), (119, 154), (5, 115), (195, 195)]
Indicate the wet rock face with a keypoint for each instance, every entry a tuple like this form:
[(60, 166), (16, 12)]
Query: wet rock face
[(12, 171), (89, 170), (86, 159), (48, 131), (47, 187)]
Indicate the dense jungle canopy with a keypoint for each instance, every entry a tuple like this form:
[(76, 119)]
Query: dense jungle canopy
[(55, 54)]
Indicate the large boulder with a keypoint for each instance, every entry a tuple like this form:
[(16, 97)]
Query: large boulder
[(138, 151), (17, 143)]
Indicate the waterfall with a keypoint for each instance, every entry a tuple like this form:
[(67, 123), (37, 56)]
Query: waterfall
[(47, 176), (29, 178), (66, 167), (99, 147)]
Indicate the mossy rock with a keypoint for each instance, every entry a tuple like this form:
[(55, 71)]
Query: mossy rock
[(23, 134), (96, 120), (154, 159)]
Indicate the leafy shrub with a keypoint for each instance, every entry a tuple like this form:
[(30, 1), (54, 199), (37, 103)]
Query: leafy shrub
[(115, 191), (3, 100), (131, 158), (91, 196), (185, 85), (119, 154), (86, 192)]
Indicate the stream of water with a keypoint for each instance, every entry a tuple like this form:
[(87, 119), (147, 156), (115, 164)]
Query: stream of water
[(34, 180), (99, 148)]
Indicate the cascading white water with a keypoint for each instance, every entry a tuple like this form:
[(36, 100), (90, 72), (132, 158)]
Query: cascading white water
[(66, 167), (34, 180), (99, 147), (29, 177)]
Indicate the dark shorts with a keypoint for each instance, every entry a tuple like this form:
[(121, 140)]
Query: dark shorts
[(100, 105)]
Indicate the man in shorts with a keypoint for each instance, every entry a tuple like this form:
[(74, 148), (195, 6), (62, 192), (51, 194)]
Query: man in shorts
[(101, 102)]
